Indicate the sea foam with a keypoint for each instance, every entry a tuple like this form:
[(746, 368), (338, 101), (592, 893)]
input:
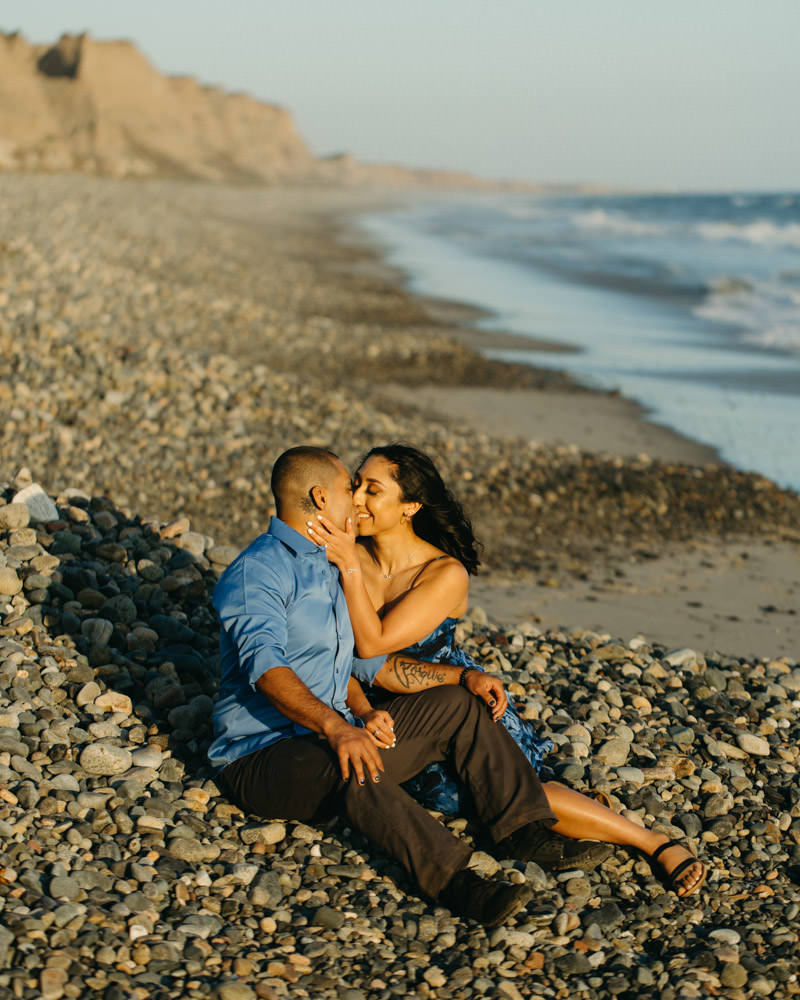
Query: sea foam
[(760, 232), (616, 222), (766, 312)]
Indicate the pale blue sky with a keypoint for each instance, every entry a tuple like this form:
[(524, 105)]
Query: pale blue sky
[(691, 94)]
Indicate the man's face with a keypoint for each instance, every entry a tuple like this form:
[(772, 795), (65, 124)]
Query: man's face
[(340, 496)]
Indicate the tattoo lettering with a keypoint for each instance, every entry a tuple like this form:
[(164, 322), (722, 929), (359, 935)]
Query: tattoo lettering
[(415, 675)]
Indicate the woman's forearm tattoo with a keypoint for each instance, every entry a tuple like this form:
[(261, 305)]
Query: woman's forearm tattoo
[(414, 675)]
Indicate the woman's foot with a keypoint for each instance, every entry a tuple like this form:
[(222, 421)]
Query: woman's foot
[(683, 871)]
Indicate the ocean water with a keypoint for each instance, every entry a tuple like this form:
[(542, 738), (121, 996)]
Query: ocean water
[(689, 304)]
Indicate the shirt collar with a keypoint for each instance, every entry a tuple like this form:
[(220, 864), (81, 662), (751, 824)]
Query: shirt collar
[(293, 540)]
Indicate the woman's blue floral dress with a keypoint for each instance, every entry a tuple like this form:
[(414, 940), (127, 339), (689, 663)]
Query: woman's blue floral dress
[(435, 787)]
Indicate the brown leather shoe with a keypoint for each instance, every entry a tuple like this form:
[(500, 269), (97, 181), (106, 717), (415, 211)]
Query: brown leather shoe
[(534, 842), (490, 903)]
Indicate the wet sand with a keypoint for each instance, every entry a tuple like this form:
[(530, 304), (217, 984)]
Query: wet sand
[(739, 598), (591, 421)]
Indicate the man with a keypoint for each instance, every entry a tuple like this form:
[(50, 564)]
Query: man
[(296, 737)]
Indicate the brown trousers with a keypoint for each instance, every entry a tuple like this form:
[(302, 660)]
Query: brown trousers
[(300, 779)]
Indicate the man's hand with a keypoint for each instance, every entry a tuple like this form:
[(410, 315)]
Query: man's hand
[(489, 689), (380, 725), (355, 748)]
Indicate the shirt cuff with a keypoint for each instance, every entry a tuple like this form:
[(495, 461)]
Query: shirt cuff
[(258, 670)]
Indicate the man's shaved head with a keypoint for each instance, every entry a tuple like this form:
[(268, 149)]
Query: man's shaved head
[(297, 471)]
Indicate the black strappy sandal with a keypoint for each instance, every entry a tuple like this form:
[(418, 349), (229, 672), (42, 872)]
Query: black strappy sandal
[(673, 876)]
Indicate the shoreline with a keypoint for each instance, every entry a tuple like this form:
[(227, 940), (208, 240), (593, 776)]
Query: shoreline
[(493, 412), (606, 423), (706, 593), (661, 344)]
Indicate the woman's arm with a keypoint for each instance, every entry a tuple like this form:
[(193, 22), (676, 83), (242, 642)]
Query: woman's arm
[(405, 674), (441, 588)]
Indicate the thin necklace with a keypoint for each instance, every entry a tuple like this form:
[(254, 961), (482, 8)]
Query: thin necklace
[(388, 576)]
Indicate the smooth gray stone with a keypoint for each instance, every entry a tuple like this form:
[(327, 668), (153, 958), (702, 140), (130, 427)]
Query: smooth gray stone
[(40, 506), (64, 888), (97, 631), (6, 941), (607, 916), (32, 879), (572, 964), (67, 912), (613, 752), (89, 879), (137, 902), (536, 876), (65, 782), (13, 744), (716, 678), (119, 609), (266, 891)]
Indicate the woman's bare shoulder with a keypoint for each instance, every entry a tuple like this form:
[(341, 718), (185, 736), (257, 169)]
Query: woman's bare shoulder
[(441, 565)]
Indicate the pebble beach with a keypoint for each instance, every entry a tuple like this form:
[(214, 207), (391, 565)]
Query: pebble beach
[(162, 343)]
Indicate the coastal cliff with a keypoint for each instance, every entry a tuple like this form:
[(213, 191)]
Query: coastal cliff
[(100, 107)]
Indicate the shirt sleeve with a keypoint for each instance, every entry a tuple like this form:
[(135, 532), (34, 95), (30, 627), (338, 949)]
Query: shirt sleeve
[(251, 605), (367, 670)]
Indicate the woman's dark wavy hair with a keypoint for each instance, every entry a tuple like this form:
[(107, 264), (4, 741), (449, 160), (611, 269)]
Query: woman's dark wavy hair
[(441, 519)]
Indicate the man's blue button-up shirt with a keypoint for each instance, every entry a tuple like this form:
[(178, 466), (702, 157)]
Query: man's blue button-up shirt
[(279, 605)]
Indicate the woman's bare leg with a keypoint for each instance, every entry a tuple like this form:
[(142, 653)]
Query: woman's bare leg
[(582, 818)]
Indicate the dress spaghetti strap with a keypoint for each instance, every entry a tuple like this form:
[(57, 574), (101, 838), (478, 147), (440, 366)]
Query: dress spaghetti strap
[(424, 567)]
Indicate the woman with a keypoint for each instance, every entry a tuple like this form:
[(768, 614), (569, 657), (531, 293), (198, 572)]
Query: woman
[(406, 581)]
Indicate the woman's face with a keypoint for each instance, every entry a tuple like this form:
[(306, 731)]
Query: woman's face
[(377, 500)]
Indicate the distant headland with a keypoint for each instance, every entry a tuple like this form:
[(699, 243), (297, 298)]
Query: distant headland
[(100, 107)]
